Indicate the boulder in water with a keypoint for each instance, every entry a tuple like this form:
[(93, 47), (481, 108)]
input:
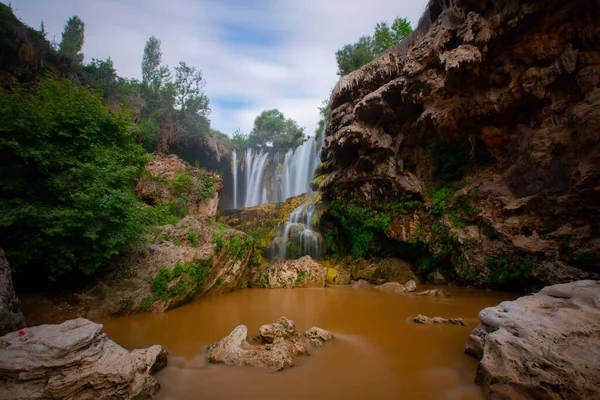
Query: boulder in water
[(361, 283), (278, 346), (434, 293), (422, 319), (395, 287), (301, 273), (544, 346), (75, 360)]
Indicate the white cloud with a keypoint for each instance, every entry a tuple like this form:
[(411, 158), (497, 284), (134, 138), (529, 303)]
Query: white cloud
[(294, 70)]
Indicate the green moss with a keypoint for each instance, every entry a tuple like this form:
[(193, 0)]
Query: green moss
[(160, 283), (218, 241), (178, 270), (207, 186), (179, 288), (146, 303), (193, 239), (511, 272), (301, 275), (182, 182)]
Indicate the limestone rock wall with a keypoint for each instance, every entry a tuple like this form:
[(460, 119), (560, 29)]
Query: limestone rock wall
[(516, 86)]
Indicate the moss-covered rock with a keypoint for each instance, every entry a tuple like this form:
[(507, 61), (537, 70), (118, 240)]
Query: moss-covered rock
[(301, 273)]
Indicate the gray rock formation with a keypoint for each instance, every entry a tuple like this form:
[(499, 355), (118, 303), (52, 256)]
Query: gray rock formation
[(301, 273), (395, 287), (544, 346), (11, 318), (75, 360), (278, 346), (422, 319), (434, 293)]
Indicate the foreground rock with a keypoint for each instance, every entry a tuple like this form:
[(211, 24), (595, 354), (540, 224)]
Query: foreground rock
[(173, 265), (346, 269), (11, 318), (277, 346), (301, 273), (544, 346), (395, 287), (75, 360), (422, 319)]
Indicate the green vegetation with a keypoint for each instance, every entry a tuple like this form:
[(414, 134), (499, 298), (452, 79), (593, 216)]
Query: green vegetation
[(510, 272), (353, 56), (193, 273), (193, 239), (301, 275), (160, 283), (146, 303), (449, 160), (182, 183), (218, 241), (207, 186), (271, 127)]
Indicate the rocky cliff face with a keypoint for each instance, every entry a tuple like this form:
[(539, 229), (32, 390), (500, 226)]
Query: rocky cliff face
[(488, 118), (11, 317)]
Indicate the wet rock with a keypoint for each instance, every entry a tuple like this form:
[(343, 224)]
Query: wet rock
[(395, 287), (361, 283), (386, 270), (338, 277), (301, 273), (422, 319), (75, 360), (544, 346), (168, 178), (438, 278), (434, 293), (280, 344), (11, 318)]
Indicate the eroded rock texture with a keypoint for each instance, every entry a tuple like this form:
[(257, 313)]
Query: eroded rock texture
[(512, 88), (11, 317), (544, 346), (277, 346), (75, 360), (301, 273)]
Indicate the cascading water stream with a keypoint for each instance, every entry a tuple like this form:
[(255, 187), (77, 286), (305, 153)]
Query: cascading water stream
[(234, 173), (299, 168), (255, 168), (300, 232)]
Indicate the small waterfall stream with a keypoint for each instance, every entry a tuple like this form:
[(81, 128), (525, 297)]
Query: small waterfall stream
[(255, 169), (299, 235), (234, 169)]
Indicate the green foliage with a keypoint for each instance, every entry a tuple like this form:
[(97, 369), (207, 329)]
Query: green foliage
[(72, 39), (449, 160), (301, 275), (152, 72), (239, 139), (386, 36), (331, 238), (439, 201), (271, 127), (511, 272), (353, 56), (179, 287), (160, 214), (235, 244), (360, 224), (218, 241), (66, 167), (219, 282), (160, 283), (178, 270), (193, 239), (146, 303), (102, 76), (182, 182), (199, 270), (207, 186)]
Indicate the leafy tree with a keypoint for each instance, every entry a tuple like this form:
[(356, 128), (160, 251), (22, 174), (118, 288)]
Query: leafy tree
[(66, 170), (152, 72), (188, 87), (239, 139), (353, 56), (101, 75), (385, 37), (271, 127), (72, 39)]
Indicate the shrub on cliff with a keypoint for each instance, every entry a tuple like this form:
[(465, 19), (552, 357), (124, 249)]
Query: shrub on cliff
[(66, 172)]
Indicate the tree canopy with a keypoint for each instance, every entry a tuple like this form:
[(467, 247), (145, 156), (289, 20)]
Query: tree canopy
[(353, 56), (272, 128), (72, 39)]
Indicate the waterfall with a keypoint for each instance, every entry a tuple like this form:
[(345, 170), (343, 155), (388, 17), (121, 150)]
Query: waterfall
[(299, 168), (300, 227), (234, 173), (255, 169)]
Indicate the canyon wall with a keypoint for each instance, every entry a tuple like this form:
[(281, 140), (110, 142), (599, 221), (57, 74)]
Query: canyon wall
[(479, 136)]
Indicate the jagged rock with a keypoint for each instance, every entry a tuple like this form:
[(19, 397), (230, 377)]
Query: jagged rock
[(361, 283), (301, 273), (395, 287), (188, 251), (11, 318), (279, 345), (434, 293), (422, 319), (544, 346), (168, 178), (457, 81), (75, 360)]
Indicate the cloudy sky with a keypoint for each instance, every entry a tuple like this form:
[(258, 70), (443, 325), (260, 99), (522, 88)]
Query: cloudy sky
[(255, 54)]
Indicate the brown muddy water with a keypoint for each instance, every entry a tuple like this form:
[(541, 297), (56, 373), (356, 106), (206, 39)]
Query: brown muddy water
[(376, 353)]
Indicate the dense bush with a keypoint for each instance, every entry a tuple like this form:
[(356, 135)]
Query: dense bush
[(66, 172)]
